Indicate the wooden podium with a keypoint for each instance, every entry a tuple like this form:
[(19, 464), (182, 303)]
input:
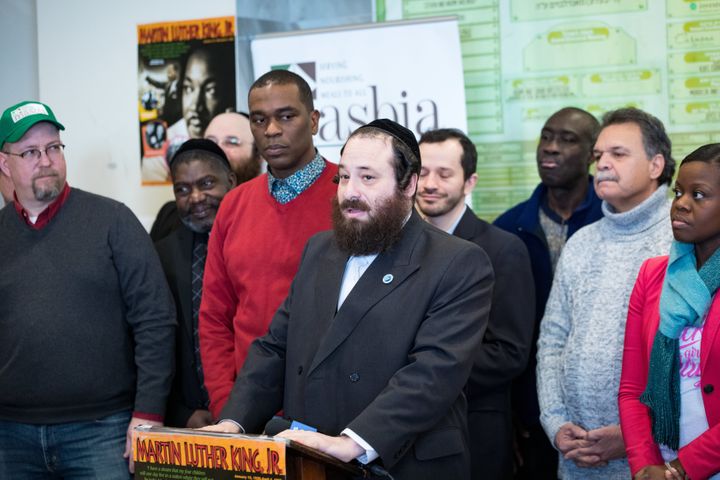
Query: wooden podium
[(183, 454), (305, 463)]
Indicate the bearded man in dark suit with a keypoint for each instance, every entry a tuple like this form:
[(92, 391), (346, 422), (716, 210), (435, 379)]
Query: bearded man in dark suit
[(376, 339)]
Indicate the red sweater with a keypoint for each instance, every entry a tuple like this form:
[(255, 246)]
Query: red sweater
[(699, 457), (253, 254)]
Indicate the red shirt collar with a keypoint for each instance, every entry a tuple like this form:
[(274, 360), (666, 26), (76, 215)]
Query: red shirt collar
[(47, 214)]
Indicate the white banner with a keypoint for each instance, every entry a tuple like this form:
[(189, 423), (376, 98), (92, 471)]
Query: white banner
[(408, 71)]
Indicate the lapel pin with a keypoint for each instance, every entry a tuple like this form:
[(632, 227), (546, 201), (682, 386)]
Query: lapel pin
[(388, 278)]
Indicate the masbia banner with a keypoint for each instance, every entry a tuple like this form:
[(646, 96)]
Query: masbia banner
[(407, 71)]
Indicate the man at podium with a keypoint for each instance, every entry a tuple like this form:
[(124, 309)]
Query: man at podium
[(375, 340)]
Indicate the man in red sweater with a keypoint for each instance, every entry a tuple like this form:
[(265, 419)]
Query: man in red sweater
[(261, 229)]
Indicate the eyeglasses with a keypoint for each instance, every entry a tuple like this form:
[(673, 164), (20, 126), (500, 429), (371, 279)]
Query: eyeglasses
[(53, 152), (228, 142)]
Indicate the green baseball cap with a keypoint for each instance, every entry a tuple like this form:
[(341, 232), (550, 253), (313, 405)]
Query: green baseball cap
[(18, 119)]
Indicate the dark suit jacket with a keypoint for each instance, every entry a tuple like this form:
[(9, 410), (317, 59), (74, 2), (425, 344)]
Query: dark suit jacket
[(390, 364), (506, 345), (166, 222), (504, 352), (186, 395)]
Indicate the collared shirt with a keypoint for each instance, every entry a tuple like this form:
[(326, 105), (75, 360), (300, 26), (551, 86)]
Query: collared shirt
[(47, 214), (354, 269), (285, 190), (452, 228)]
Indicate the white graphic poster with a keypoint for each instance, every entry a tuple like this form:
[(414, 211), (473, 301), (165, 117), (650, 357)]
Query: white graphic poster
[(408, 71)]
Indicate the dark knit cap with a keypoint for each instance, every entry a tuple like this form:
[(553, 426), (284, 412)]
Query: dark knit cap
[(202, 144), (398, 131)]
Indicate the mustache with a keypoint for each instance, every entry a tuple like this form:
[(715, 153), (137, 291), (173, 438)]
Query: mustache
[(45, 172), (209, 202), (606, 176), (355, 204)]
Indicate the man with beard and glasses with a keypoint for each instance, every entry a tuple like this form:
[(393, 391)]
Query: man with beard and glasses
[(560, 205), (581, 335), (86, 318), (231, 131), (262, 227), (201, 177), (376, 339), (447, 176)]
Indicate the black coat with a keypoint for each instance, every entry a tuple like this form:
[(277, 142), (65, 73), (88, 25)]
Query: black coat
[(186, 396), (390, 364), (505, 349)]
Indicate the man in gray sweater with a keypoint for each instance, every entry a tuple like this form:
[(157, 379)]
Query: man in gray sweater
[(581, 335), (87, 322)]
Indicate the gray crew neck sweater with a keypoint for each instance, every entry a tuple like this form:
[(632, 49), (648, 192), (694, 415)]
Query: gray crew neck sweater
[(86, 317)]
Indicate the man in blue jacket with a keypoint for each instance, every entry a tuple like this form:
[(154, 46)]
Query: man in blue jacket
[(564, 202)]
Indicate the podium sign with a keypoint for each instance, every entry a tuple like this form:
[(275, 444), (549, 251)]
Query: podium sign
[(183, 454)]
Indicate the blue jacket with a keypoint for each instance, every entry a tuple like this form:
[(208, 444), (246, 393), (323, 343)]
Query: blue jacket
[(524, 221)]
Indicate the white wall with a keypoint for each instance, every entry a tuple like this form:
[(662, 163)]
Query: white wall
[(18, 54), (87, 68)]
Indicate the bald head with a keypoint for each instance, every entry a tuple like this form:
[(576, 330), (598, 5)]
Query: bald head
[(586, 123), (564, 152), (232, 132)]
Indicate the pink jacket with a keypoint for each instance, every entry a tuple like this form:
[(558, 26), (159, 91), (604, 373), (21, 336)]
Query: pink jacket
[(701, 457)]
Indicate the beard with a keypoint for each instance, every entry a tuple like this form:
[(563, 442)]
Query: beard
[(440, 207), (248, 170), (197, 227), (376, 235), (47, 190), (200, 225)]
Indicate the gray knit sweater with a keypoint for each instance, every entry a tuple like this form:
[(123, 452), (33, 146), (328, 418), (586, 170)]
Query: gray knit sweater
[(581, 335), (87, 322)]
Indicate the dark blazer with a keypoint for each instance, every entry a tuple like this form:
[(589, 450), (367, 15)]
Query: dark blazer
[(506, 345), (504, 352), (166, 222), (390, 364), (186, 395)]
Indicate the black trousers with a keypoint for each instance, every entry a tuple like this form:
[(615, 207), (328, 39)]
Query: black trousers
[(540, 459), (491, 446)]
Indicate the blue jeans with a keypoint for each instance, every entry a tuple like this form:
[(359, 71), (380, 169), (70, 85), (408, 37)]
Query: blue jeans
[(78, 450)]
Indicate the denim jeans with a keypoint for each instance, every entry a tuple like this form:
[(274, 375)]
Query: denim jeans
[(79, 450)]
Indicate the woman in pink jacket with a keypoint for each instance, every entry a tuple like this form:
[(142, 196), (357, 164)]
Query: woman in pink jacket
[(670, 384)]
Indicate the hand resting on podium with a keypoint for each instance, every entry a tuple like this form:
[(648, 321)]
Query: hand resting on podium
[(341, 447)]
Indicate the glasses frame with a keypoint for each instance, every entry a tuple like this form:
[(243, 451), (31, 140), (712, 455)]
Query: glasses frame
[(27, 156)]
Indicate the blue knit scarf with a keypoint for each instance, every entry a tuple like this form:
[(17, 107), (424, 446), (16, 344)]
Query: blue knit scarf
[(685, 299)]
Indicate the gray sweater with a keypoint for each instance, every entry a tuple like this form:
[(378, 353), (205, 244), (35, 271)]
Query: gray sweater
[(86, 318), (581, 335)]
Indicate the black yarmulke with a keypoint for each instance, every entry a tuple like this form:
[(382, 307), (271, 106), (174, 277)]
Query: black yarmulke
[(397, 131), (204, 145)]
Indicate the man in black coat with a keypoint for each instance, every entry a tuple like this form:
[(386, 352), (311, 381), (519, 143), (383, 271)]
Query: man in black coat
[(201, 177), (375, 341), (449, 161)]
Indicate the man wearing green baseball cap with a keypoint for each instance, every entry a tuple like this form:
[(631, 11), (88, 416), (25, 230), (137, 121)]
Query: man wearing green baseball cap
[(47, 184), (86, 316)]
